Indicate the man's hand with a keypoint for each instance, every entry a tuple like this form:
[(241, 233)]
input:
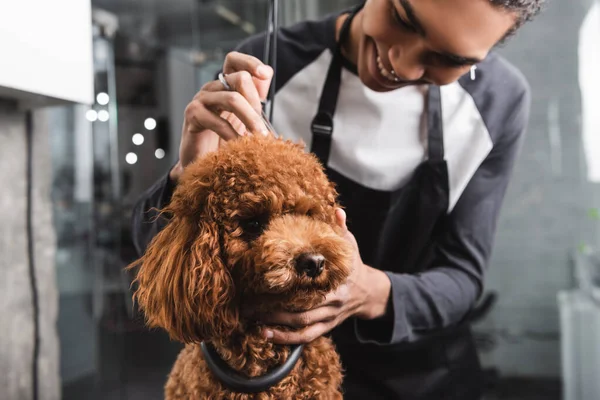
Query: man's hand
[(216, 115), (364, 295)]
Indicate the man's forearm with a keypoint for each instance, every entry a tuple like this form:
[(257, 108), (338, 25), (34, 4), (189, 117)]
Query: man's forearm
[(146, 222), (416, 306), (377, 286)]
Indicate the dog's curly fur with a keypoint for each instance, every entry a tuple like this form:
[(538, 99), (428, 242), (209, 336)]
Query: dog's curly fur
[(238, 220)]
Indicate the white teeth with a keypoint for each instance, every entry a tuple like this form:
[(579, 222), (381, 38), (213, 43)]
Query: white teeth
[(389, 75)]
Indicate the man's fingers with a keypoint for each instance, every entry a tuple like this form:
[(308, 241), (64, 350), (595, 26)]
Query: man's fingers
[(242, 100), (237, 104), (199, 119), (337, 298), (261, 73), (236, 61), (235, 122), (340, 216), (302, 336), (242, 83), (301, 320)]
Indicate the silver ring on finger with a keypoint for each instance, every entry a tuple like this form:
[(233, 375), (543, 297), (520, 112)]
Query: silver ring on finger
[(224, 82)]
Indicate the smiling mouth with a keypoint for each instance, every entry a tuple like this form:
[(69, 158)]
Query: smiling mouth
[(389, 75)]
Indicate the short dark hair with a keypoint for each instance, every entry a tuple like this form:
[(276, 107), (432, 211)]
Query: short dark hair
[(525, 9)]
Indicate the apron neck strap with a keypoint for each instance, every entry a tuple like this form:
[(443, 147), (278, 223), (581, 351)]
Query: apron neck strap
[(322, 124), (435, 124)]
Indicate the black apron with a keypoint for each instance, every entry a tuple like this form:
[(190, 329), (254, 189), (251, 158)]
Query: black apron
[(396, 232)]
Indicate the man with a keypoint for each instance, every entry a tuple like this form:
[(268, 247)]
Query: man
[(418, 123)]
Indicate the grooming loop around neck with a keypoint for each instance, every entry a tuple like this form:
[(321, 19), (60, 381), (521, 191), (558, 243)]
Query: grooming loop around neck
[(237, 382)]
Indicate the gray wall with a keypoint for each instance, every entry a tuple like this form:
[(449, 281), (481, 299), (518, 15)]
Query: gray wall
[(16, 311), (545, 215)]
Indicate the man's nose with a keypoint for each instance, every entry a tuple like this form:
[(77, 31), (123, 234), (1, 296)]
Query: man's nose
[(406, 60)]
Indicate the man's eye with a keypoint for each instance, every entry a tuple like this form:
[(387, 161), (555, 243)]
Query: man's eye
[(403, 24), (447, 63)]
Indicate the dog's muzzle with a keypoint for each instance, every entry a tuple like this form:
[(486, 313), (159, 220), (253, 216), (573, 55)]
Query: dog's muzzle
[(310, 264)]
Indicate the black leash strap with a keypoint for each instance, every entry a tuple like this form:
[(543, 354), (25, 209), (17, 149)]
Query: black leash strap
[(239, 383), (270, 56)]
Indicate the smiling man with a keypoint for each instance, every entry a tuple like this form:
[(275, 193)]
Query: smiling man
[(418, 122), (430, 42)]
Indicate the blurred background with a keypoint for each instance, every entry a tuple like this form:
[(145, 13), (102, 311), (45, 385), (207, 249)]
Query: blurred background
[(539, 333)]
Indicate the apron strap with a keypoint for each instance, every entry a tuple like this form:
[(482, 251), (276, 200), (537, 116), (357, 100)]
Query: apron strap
[(322, 124), (435, 124)]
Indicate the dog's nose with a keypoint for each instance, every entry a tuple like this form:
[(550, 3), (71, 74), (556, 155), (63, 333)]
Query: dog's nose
[(310, 264)]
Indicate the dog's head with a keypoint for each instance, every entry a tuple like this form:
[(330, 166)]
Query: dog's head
[(251, 224)]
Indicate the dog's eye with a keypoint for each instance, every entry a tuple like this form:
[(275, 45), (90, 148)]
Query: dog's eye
[(253, 227)]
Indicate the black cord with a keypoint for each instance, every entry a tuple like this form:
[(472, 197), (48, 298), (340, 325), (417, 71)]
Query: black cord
[(273, 60), (267, 47), (270, 52), (31, 253)]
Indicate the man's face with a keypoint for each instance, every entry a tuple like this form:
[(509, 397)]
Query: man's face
[(404, 42)]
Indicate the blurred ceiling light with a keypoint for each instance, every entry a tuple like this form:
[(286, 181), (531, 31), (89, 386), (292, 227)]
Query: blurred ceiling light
[(150, 123), (248, 28), (135, 49), (198, 57), (103, 115), (159, 153), (138, 139), (91, 115), (131, 158), (102, 98), (108, 21), (227, 14), (234, 19)]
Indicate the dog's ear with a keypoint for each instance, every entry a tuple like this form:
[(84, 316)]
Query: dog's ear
[(183, 285)]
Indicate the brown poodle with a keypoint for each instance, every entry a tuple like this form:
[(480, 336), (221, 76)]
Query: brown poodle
[(254, 224)]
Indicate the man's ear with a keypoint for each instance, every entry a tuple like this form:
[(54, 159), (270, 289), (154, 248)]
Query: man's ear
[(183, 285)]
